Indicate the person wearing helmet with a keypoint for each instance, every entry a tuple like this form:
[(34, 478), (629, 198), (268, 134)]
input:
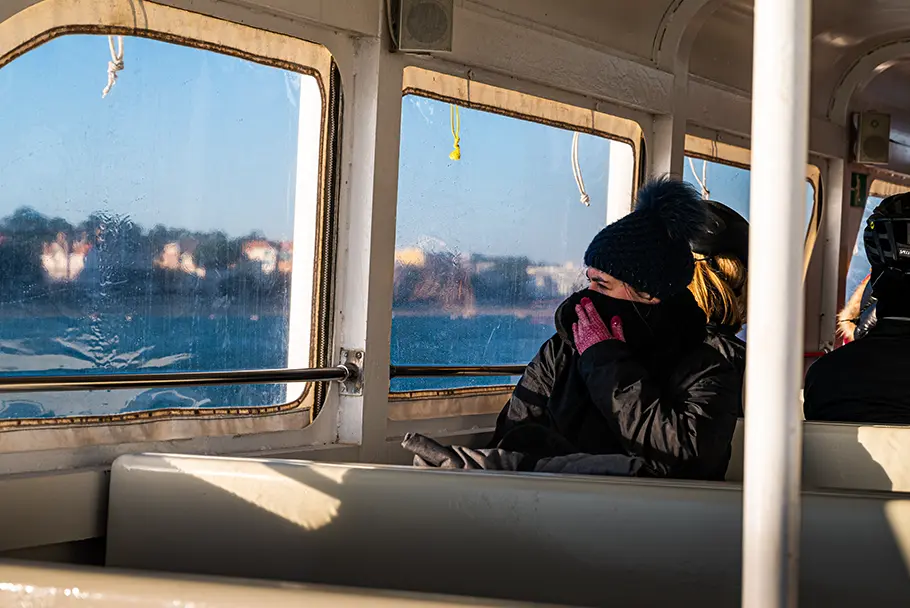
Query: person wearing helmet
[(719, 283), (866, 380)]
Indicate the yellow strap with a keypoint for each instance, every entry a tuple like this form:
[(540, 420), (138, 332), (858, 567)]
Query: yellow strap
[(455, 119)]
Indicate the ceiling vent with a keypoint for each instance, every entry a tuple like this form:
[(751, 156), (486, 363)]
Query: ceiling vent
[(424, 26), (873, 138)]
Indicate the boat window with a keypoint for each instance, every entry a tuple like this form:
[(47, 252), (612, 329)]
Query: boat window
[(859, 264), (148, 221), (729, 184), (491, 232)]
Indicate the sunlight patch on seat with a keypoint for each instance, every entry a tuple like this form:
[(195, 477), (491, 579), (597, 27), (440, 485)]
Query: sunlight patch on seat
[(266, 488), (897, 512), (890, 448)]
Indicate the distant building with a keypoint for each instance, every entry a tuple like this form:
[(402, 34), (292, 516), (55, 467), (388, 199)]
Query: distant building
[(179, 256), (263, 252), (412, 256), (286, 257), (62, 262), (555, 281)]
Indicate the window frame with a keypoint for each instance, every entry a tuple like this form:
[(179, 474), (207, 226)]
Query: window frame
[(732, 155), (882, 188), (52, 19), (470, 93)]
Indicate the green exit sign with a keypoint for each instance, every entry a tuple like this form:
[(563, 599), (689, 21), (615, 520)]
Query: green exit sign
[(859, 190)]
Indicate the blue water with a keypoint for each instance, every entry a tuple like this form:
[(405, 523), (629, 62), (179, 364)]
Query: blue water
[(481, 340), (120, 343)]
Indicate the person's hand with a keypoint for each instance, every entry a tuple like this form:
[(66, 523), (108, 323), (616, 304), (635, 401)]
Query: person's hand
[(590, 329)]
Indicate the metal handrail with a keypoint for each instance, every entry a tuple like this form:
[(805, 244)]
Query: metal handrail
[(341, 373), (34, 384), (448, 371)]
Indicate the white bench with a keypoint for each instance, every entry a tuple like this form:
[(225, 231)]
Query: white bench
[(564, 540), (65, 587), (845, 456)]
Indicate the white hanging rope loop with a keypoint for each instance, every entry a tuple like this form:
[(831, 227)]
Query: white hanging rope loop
[(705, 193), (576, 170), (115, 65)]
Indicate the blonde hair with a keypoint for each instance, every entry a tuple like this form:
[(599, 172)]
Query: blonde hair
[(846, 318), (719, 287)]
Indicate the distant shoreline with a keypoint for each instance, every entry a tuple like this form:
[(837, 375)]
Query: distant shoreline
[(481, 311), (185, 309), (178, 311)]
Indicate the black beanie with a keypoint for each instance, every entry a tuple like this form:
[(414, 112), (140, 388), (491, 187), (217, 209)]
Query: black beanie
[(649, 248)]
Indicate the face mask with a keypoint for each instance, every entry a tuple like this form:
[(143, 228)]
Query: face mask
[(648, 328), (638, 320)]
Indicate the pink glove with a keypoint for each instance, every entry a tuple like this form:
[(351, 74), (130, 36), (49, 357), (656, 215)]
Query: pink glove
[(590, 328)]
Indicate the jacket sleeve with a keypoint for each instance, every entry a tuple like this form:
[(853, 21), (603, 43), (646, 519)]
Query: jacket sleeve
[(684, 431), (528, 403), (428, 453), (526, 424)]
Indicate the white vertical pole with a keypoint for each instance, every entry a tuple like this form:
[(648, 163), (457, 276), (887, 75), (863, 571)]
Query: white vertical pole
[(306, 202), (780, 123), (620, 178)]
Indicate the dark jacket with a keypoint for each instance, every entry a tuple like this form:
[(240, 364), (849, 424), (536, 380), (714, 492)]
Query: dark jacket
[(677, 416), (429, 453), (731, 348), (868, 314), (863, 381)]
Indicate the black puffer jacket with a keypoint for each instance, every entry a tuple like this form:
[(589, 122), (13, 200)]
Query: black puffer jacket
[(724, 341), (863, 381), (675, 408), (731, 348), (868, 314)]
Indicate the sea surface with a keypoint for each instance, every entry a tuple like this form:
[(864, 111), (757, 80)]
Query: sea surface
[(130, 343)]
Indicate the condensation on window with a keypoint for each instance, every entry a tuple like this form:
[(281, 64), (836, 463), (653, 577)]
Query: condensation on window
[(150, 230), (488, 245)]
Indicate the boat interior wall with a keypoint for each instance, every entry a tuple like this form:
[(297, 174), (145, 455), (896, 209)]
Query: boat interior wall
[(584, 48), (363, 17), (439, 530), (30, 585)]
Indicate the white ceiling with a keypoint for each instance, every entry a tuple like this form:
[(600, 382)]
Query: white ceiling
[(843, 31)]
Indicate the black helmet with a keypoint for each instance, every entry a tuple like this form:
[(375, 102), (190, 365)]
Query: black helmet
[(887, 235), (726, 232)]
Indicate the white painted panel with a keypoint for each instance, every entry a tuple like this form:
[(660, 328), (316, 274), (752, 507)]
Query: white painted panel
[(516, 536)]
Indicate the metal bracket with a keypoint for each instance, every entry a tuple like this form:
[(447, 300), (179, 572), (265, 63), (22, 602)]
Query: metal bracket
[(352, 359)]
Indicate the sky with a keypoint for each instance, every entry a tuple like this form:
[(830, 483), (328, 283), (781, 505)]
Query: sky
[(197, 140), (188, 138), (513, 192), (859, 263)]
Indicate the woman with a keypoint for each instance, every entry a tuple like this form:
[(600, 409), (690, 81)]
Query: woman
[(719, 282), (628, 371)]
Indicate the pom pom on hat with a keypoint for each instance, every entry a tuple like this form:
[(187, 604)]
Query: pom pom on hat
[(677, 204), (649, 248)]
